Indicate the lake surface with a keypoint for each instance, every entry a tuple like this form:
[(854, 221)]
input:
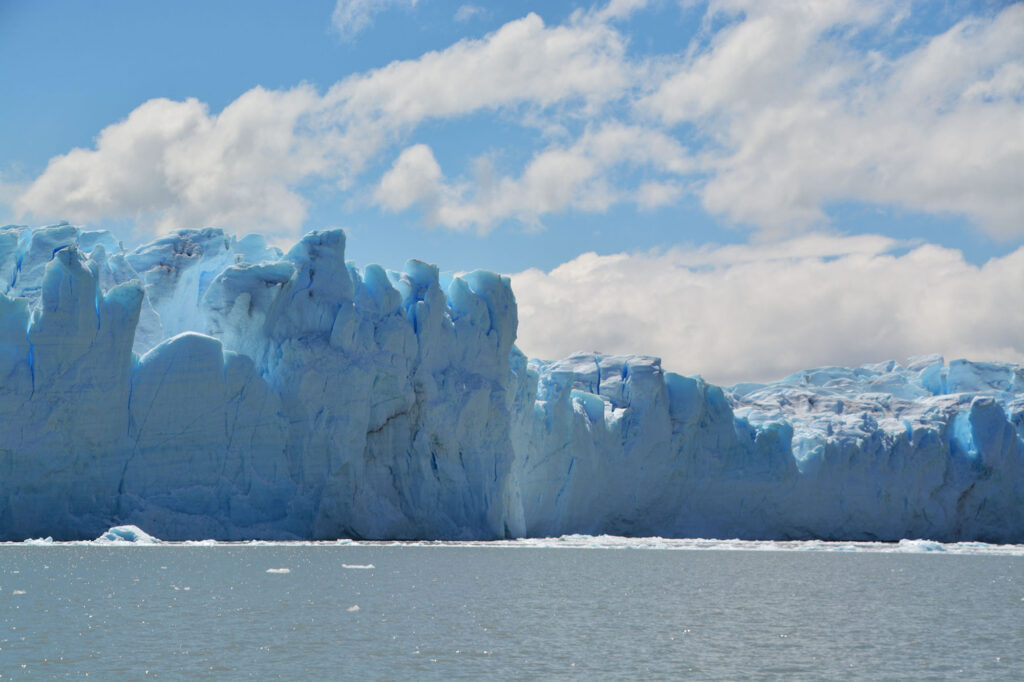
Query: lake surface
[(576, 608)]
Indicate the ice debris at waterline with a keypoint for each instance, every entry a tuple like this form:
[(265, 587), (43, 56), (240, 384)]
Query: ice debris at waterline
[(204, 386), (126, 535)]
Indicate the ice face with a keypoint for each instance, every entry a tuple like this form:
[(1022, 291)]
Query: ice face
[(205, 386)]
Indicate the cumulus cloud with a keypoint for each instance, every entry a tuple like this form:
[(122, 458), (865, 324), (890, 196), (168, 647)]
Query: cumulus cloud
[(557, 178), (175, 164), (573, 68), (351, 17), (801, 117), (414, 177), (524, 61), (772, 113), (788, 114), (739, 313)]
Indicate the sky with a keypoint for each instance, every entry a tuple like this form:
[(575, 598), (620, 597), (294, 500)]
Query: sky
[(744, 188)]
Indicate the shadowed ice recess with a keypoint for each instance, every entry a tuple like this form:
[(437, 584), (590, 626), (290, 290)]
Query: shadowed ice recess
[(205, 386)]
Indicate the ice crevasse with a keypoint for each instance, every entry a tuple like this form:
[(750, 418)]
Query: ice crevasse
[(206, 386)]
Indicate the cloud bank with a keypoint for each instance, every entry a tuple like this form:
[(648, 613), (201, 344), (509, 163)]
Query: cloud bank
[(803, 118), (742, 313), (770, 114)]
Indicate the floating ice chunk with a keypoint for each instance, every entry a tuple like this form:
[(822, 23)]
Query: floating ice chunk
[(353, 608), (358, 566), (127, 534), (279, 570), (921, 546)]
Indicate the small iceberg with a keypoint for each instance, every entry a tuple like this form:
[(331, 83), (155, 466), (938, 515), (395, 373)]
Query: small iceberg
[(119, 535), (920, 546), (279, 570), (39, 541), (358, 566)]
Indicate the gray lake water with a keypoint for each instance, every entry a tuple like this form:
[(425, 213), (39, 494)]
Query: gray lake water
[(507, 611)]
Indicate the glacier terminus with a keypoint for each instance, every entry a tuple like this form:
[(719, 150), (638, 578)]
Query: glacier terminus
[(209, 386)]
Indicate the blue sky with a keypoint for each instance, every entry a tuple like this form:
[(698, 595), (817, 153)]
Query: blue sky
[(743, 188)]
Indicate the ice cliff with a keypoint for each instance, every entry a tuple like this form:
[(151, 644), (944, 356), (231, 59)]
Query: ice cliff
[(204, 386)]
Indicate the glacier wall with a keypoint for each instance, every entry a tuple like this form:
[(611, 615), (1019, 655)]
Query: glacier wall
[(208, 386)]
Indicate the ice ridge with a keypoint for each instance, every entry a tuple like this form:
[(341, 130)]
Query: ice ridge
[(205, 386)]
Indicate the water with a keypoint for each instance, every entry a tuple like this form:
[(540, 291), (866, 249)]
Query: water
[(512, 610)]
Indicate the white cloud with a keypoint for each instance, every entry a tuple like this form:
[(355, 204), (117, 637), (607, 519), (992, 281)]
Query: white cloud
[(555, 179), (351, 17), (414, 177), (772, 113), (522, 62), (614, 10), (173, 164), (739, 313), (792, 117), (467, 12), (656, 194), (800, 117)]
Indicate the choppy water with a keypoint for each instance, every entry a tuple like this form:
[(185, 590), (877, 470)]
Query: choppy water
[(585, 608)]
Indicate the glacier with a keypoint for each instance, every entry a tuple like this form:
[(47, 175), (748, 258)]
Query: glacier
[(209, 386)]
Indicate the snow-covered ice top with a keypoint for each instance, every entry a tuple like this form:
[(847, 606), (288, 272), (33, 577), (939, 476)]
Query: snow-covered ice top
[(205, 386)]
